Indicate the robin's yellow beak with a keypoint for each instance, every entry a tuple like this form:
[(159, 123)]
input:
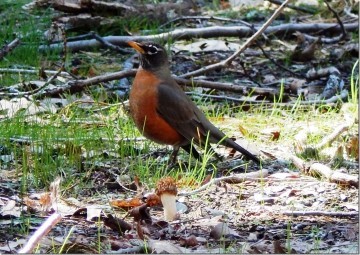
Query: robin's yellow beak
[(137, 46)]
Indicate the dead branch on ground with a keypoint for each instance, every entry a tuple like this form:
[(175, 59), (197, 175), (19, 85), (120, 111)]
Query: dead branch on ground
[(324, 171), (40, 233), (78, 85), (156, 11), (207, 32), (331, 137), (9, 47)]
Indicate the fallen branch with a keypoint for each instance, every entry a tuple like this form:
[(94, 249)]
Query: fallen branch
[(29, 71), (78, 85), (334, 176), (238, 178), (43, 230), (207, 32), (9, 47), (226, 86), (343, 96), (74, 86), (321, 213), (265, 103), (331, 137), (319, 169)]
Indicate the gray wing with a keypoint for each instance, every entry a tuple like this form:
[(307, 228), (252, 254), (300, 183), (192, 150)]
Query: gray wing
[(182, 114)]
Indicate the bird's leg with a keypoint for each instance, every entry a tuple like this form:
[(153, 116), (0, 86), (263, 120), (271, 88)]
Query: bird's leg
[(189, 148), (173, 156)]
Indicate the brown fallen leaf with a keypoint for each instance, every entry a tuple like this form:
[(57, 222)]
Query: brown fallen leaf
[(152, 199), (141, 213), (127, 204), (116, 224), (304, 51), (190, 241)]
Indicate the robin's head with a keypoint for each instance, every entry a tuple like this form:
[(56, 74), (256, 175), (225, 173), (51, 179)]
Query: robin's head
[(152, 55)]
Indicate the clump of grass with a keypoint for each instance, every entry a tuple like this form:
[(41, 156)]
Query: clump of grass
[(354, 84)]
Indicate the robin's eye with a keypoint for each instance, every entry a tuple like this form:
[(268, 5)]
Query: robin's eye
[(152, 50)]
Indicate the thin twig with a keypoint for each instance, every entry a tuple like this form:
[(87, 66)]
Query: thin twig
[(321, 213), (343, 36), (205, 18), (109, 44), (276, 63), (224, 86), (245, 45), (229, 179)]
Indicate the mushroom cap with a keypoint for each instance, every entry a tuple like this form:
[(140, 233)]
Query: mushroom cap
[(166, 185)]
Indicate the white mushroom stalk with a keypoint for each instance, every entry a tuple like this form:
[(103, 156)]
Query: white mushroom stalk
[(167, 191), (169, 203)]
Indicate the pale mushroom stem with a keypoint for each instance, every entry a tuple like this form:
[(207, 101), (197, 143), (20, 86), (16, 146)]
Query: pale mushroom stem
[(169, 203)]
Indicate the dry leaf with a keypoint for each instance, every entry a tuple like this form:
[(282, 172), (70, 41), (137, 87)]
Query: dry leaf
[(116, 224), (141, 213), (10, 209), (152, 200), (127, 204), (190, 241)]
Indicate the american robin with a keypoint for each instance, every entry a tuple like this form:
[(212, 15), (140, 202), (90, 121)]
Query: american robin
[(164, 113)]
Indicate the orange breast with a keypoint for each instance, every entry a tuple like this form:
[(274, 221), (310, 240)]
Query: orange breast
[(143, 104)]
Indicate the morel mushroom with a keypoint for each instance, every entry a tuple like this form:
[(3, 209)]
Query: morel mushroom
[(167, 191)]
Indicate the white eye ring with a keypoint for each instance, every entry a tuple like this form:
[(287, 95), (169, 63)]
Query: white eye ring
[(156, 49)]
